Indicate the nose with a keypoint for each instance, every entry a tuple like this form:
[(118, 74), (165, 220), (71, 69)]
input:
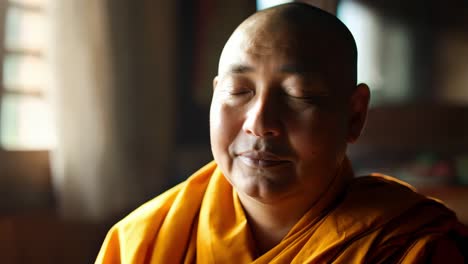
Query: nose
[(262, 118)]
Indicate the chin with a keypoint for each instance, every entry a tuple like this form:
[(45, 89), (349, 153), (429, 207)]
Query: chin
[(261, 190)]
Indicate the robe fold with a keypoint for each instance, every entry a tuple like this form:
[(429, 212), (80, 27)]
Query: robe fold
[(377, 220)]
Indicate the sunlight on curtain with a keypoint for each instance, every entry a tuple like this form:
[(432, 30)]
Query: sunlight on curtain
[(86, 157)]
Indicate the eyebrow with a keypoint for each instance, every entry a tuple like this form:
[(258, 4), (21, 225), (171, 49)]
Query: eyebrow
[(240, 68), (288, 68), (297, 69)]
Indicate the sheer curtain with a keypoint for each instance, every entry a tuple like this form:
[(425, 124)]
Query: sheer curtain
[(86, 154), (111, 150)]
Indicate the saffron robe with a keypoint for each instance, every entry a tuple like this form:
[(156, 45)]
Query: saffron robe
[(377, 220)]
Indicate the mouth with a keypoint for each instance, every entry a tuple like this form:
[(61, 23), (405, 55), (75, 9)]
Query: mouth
[(256, 159)]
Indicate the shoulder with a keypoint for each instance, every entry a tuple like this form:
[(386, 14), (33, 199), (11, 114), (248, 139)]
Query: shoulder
[(133, 235), (384, 194), (381, 182), (155, 210), (383, 200), (376, 202), (402, 223), (444, 248)]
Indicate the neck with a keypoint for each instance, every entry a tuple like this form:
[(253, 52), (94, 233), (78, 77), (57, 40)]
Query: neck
[(271, 222), (268, 223)]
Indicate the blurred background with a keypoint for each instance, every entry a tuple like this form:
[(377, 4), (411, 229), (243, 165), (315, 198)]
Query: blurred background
[(104, 105)]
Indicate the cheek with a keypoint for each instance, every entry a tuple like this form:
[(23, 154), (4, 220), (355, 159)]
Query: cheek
[(224, 127), (318, 138)]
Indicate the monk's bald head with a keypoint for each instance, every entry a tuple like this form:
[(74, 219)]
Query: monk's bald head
[(286, 86), (321, 42)]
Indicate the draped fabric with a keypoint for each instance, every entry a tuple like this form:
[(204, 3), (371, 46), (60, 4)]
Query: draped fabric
[(82, 100), (113, 65), (378, 219)]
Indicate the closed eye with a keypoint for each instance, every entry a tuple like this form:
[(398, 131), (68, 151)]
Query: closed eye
[(240, 92), (310, 99)]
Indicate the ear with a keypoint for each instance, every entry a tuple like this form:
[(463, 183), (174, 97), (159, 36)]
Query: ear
[(215, 82), (359, 104)]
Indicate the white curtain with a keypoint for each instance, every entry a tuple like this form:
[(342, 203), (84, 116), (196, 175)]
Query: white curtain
[(82, 100), (95, 172)]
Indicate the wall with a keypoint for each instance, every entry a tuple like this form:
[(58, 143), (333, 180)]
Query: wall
[(25, 181)]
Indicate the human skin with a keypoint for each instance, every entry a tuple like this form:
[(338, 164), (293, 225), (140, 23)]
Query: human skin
[(279, 126)]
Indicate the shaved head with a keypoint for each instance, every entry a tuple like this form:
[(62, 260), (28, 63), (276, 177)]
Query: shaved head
[(285, 104), (322, 40)]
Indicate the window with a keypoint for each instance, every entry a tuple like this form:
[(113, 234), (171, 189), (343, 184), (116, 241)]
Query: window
[(25, 118), (263, 4), (384, 48)]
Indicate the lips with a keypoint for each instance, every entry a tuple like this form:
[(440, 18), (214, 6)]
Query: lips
[(258, 159)]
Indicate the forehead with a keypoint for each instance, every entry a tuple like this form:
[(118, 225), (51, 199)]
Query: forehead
[(314, 48), (265, 42)]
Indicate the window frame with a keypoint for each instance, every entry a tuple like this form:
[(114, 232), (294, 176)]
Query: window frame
[(21, 91), (24, 173)]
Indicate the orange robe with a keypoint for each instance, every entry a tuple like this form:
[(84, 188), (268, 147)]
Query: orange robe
[(377, 220)]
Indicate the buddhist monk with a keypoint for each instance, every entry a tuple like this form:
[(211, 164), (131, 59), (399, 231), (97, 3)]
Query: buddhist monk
[(285, 106)]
